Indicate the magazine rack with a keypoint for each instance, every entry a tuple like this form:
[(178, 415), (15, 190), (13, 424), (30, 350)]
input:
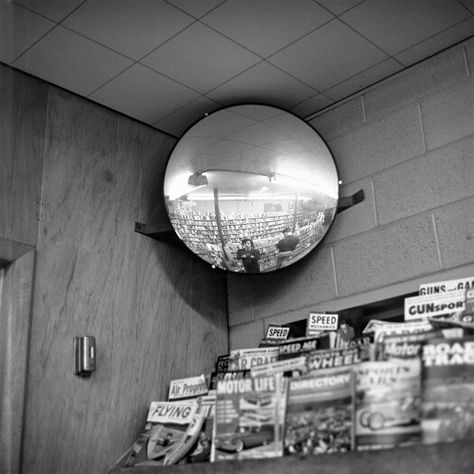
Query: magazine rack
[(456, 457)]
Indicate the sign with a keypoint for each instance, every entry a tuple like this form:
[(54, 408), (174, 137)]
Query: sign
[(321, 322), (445, 286), (425, 306), (278, 333), (189, 387)]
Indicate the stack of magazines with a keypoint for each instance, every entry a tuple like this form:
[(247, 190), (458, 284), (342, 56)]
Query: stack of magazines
[(399, 384)]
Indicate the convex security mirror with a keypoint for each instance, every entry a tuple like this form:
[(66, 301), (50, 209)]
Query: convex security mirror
[(251, 188)]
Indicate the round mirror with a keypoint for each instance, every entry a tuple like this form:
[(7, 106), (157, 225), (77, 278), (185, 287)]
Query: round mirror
[(251, 188)]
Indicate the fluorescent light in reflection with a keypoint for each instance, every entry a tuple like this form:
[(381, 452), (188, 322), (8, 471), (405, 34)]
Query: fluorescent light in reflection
[(250, 197), (299, 177)]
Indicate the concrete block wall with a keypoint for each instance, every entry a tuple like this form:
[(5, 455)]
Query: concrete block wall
[(408, 142)]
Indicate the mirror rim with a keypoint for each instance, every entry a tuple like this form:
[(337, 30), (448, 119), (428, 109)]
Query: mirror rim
[(205, 116)]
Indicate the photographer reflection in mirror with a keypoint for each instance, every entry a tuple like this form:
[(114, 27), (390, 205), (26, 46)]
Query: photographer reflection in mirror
[(286, 246), (249, 256)]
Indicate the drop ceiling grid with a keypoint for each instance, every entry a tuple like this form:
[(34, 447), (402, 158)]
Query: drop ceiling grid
[(301, 56)]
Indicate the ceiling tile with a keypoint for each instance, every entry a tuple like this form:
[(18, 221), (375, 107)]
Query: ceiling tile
[(179, 121), (19, 29), (143, 94), (339, 6), (185, 58), (364, 79), (265, 26), (71, 61), (130, 28), (196, 9), (311, 105), (265, 84), (469, 4), (312, 61), (436, 43), (395, 26), (53, 9)]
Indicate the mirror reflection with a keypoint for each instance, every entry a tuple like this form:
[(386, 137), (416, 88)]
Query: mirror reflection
[(251, 188)]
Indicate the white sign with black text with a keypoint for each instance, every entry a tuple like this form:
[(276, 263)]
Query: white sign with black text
[(321, 322), (421, 307), (441, 287)]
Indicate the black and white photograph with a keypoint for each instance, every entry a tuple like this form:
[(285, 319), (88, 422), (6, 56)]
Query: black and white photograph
[(178, 176)]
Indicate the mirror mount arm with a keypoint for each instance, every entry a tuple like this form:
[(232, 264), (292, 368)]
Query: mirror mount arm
[(349, 201), (160, 231)]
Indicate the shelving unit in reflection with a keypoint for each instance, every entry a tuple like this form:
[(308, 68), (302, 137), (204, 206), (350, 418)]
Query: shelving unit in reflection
[(218, 239)]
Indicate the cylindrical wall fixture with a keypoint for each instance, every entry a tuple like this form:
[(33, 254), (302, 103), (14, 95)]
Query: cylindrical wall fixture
[(84, 355)]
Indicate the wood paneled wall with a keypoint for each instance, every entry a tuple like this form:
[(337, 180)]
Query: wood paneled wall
[(16, 283), (22, 124), (156, 312)]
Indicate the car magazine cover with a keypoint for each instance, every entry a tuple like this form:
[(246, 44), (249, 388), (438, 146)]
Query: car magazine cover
[(388, 403), (448, 390), (293, 367), (228, 375), (301, 345), (223, 363), (332, 358), (245, 359), (403, 346), (201, 450), (249, 418), (320, 412), (411, 327)]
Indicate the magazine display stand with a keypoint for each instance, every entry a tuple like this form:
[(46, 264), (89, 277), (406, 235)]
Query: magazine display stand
[(449, 457), (453, 457)]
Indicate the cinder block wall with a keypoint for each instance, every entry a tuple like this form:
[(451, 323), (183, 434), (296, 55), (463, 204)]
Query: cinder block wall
[(408, 142)]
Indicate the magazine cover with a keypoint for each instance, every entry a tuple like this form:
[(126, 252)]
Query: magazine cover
[(449, 285), (201, 450), (462, 320), (448, 390), (320, 412), (388, 403), (389, 329), (223, 363), (301, 345), (228, 375), (249, 418), (245, 359), (403, 346), (333, 358), (293, 367), (171, 430), (425, 306)]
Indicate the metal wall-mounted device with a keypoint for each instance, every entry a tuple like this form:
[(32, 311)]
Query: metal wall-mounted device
[(84, 355)]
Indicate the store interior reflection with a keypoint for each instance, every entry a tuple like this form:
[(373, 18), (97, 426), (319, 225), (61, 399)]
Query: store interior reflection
[(254, 197)]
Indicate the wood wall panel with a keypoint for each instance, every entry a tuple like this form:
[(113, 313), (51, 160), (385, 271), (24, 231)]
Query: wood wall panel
[(16, 285), (51, 404), (156, 311), (123, 421), (95, 278), (22, 129)]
